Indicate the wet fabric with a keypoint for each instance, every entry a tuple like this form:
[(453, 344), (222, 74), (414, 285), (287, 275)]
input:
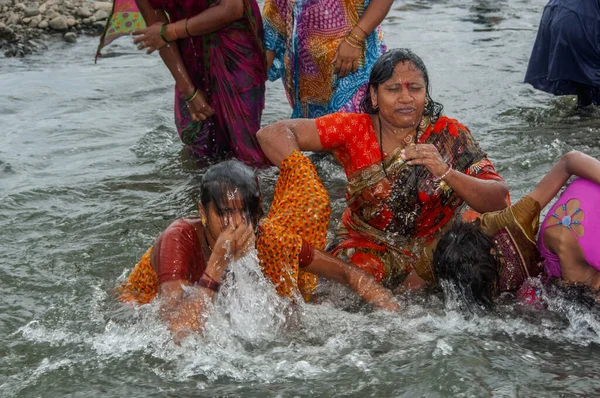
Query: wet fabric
[(305, 35), (124, 18), (177, 254), (514, 230), (395, 212), (227, 65), (142, 284), (588, 195), (300, 212), (567, 47), (298, 217)]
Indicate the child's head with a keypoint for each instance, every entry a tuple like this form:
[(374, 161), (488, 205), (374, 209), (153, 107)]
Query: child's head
[(465, 258)]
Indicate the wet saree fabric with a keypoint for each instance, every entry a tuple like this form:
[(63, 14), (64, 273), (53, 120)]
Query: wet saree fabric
[(228, 65), (175, 255), (299, 215), (513, 231), (393, 214), (567, 47), (305, 35)]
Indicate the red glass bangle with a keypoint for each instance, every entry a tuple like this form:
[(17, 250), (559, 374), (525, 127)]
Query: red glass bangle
[(209, 284)]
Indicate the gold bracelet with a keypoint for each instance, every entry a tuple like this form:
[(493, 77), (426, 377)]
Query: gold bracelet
[(351, 44), (356, 37), (191, 97), (354, 42), (364, 31), (187, 32)]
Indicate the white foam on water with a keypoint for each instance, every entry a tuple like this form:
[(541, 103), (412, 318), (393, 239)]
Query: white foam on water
[(254, 335)]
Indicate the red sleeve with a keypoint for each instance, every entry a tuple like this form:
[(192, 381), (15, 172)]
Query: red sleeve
[(484, 170), (307, 254), (335, 127), (177, 248)]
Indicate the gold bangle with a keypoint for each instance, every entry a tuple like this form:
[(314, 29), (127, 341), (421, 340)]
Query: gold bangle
[(356, 37), (191, 97), (352, 44), (364, 31), (187, 32)]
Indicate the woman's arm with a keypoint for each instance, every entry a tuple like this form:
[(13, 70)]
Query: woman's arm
[(280, 139), (359, 281), (373, 16), (199, 107), (573, 163), (183, 305), (214, 18), (347, 55), (170, 55), (481, 195), (270, 54)]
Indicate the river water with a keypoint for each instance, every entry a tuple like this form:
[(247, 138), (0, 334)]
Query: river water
[(91, 170)]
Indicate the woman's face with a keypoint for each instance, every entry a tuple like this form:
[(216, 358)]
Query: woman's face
[(232, 212), (401, 99)]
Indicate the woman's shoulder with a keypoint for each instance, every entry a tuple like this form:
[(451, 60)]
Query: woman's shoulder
[(182, 227), (341, 118), (444, 124)]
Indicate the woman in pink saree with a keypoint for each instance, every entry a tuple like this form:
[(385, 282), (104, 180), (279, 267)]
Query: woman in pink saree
[(214, 50)]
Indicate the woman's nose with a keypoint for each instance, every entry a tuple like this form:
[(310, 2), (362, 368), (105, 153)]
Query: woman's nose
[(404, 96)]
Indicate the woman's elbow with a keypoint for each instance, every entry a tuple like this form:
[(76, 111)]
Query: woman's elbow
[(262, 135), (502, 196), (570, 157), (268, 133), (237, 13), (233, 11)]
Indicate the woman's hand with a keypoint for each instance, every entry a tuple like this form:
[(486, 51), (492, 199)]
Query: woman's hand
[(387, 304), (426, 155), (149, 38), (346, 59), (199, 107), (235, 241)]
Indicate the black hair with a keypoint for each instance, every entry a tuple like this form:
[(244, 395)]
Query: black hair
[(384, 69), (232, 176), (466, 260)]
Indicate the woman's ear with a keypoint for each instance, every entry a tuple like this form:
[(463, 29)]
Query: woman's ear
[(203, 217), (373, 92)]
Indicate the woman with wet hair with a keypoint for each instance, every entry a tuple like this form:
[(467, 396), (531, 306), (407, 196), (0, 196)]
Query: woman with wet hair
[(499, 251), (409, 170), (192, 254)]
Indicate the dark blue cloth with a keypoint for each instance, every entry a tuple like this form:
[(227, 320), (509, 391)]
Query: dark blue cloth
[(566, 52)]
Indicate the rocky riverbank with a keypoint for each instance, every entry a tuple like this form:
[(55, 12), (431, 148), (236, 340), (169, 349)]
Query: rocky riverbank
[(25, 26)]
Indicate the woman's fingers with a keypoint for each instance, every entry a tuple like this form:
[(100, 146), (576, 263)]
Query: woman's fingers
[(138, 32), (140, 37), (346, 66)]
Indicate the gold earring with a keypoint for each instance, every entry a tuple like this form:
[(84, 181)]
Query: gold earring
[(203, 221), (426, 103)]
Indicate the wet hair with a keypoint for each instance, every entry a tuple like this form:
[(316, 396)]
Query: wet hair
[(466, 262), (232, 176), (384, 69)]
